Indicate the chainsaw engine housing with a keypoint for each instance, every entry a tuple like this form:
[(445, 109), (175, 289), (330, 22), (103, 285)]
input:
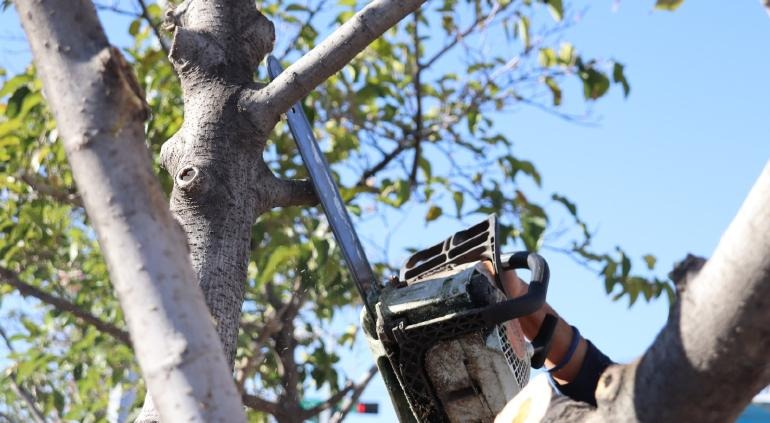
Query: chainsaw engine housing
[(440, 340)]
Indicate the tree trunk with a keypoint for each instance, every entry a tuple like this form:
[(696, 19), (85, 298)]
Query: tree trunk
[(101, 111), (221, 182)]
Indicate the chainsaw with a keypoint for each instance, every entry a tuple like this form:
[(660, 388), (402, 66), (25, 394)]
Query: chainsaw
[(438, 330)]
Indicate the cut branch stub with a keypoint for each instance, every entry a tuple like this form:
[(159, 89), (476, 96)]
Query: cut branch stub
[(189, 181)]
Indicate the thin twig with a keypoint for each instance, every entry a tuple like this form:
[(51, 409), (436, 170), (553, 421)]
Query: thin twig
[(11, 278), (155, 29), (115, 9), (296, 38), (418, 94), (461, 35), (56, 193), (382, 163), (25, 395), (353, 399)]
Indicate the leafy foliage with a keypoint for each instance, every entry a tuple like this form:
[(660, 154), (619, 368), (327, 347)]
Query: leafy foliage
[(408, 124)]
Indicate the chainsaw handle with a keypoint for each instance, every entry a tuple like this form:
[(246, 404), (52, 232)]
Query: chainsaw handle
[(528, 303)]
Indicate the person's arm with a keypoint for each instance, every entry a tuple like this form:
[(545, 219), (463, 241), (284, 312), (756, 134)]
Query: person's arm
[(578, 376)]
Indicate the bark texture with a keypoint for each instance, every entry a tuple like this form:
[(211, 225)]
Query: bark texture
[(710, 359), (221, 182), (101, 111)]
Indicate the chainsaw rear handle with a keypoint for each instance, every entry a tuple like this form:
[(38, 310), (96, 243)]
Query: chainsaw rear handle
[(528, 303)]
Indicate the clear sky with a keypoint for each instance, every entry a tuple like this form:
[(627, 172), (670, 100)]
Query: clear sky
[(667, 168), (664, 171)]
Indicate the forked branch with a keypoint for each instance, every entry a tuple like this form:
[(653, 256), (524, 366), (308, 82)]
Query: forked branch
[(264, 106)]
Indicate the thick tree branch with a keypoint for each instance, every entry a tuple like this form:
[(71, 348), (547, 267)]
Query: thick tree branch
[(284, 192), (717, 336), (264, 107), (100, 110), (27, 290), (356, 391), (260, 404), (291, 192), (61, 195)]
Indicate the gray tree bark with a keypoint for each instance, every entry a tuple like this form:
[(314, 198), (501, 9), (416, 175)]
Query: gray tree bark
[(221, 182), (100, 112), (711, 358)]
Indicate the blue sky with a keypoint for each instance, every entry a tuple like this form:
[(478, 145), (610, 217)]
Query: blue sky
[(663, 172), (667, 168)]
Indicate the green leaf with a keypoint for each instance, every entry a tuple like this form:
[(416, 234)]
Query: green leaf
[(620, 78), (546, 57), (669, 5), (154, 10), (555, 90), (58, 401), (650, 260), (523, 31), (473, 120), (14, 103), (626, 265), (533, 228), (595, 83), (525, 166), (458, 198), (15, 83), (133, 29), (77, 372), (557, 9), (280, 255), (567, 54), (433, 213), (566, 203)]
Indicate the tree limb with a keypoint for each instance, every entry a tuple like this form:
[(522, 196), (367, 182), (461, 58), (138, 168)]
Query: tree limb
[(27, 290), (260, 404), (292, 192), (357, 389), (264, 106), (43, 188), (284, 192), (713, 350)]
